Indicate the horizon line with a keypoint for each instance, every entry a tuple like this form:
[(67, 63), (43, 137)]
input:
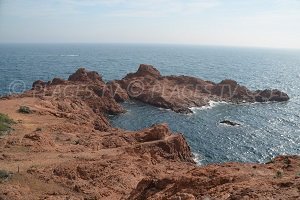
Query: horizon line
[(155, 43)]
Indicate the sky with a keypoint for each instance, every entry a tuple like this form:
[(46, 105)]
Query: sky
[(258, 23)]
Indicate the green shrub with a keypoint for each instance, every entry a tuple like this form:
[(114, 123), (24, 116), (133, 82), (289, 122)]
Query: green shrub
[(25, 110), (5, 123), (279, 174), (5, 119), (4, 175)]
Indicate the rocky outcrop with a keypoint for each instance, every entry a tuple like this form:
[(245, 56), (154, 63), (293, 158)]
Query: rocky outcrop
[(39, 84), (84, 76), (230, 123), (270, 95), (58, 81), (83, 96), (119, 94), (275, 180), (162, 143), (81, 76), (144, 71), (180, 93), (66, 158)]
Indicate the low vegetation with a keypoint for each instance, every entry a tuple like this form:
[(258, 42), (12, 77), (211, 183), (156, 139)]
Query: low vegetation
[(5, 123), (24, 110), (278, 174), (4, 175)]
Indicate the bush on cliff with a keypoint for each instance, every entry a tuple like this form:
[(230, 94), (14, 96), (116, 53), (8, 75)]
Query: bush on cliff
[(4, 175), (5, 123), (24, 110)]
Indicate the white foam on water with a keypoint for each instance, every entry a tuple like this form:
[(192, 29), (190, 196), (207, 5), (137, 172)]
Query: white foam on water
[(167, 109), (211, 104), (197, 158), (70, 55)]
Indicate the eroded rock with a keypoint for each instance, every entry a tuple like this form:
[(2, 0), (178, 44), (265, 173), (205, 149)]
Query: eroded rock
[(84, 76), (180, 93)]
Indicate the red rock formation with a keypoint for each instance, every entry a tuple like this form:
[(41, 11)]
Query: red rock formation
[(143, 71), (58, 81), (83, 89), (119, 94), (38, 84), (270, 95), (180, 93), (275, 180), (84, 76)]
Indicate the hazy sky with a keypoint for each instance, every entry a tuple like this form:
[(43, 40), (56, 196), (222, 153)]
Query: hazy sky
[(263, 23)]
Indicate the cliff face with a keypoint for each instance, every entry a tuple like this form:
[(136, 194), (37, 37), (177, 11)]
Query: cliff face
[(65, 148), (180, 93)]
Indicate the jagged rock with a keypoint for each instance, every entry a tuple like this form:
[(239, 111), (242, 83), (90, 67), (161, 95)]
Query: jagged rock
[(161, 142), (119, 94), (230, 123), (58, 81), (270, 95), (180, 93), (231, 89), (84, 76), (37, 85), (225, 181), (77, 101), (143, 71), (156, 132)]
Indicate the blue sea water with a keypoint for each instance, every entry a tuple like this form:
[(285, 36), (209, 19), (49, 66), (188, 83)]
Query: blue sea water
[(266, 130)]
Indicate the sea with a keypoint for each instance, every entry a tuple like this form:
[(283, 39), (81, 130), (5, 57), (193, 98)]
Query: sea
[(266, 130)]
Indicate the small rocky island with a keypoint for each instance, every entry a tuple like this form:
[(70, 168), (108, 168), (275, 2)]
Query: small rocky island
[(180, 93), (64, 147), (230, 123)]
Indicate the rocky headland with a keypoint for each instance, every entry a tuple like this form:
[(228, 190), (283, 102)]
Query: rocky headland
[(180, 93), (62, 146)]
